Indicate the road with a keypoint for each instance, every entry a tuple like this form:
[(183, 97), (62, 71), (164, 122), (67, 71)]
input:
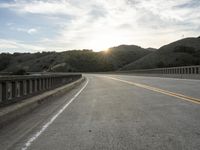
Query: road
[(113, 112)]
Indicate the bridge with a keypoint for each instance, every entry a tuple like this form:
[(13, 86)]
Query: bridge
[(124, 110)]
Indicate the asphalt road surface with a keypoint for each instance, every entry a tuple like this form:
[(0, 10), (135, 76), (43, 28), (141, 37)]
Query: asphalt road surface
[(113, 112)]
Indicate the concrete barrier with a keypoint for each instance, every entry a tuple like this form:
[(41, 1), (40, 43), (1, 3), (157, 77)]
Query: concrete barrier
[(184, 72), (16, 88), (12, 112), (171, 70)]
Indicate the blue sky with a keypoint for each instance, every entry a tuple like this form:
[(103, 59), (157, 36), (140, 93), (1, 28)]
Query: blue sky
[(58, 25)]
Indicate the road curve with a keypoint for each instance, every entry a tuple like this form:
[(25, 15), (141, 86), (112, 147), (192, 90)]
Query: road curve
[(113, 112)]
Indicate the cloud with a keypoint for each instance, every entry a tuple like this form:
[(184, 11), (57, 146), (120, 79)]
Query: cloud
[(189, 4), (13, 46), (32, 31), (100, 24), (49, 7)]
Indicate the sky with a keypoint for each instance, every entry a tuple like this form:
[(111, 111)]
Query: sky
[(58, 25)]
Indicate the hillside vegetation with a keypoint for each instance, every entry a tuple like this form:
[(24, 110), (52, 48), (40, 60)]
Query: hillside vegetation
[(180, 53), (72, 61), (124, 57)]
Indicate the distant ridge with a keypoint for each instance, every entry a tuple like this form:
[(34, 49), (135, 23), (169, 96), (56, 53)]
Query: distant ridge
[(179, 53), (123, 57), (72, 61), (152, 49)]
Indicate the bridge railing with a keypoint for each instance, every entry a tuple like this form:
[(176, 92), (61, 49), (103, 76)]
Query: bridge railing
[(15, 88), (172, 70)]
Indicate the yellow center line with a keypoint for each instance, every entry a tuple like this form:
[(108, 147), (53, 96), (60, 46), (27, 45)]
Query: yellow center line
[(169, 93)]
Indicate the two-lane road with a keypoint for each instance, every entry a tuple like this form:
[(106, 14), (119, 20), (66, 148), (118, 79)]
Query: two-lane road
[(114, 112)]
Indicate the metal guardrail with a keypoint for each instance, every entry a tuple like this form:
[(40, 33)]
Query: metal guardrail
[(172, 70), (15, 88)]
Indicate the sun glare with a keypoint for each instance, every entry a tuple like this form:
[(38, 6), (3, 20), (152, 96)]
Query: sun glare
[(103, 42)]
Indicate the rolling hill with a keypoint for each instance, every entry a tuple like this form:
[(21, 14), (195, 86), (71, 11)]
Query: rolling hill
[(124, 57), (72, 61), (180, 53)]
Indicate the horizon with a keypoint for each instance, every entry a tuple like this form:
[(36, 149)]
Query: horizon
[(32, 26), (41, 51)]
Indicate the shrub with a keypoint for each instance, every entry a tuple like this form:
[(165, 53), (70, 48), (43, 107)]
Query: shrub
[(20, 72), (160, 64), (184, 49)]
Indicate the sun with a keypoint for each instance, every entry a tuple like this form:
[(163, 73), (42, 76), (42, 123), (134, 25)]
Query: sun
[(102, 42)]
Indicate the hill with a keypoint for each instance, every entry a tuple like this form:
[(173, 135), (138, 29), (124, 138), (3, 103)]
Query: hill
[(180, 53), (72, 61), (124, 54)]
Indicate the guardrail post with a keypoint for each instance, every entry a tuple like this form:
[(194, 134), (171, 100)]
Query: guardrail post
[(192, 70), (21, 87), (3, 85), (35, 85), (39, 85), (24, 87), (27, 86), (13, 86), (1, 93), (30, 87), (41, 81), (189, 70), (49, 84), (17, 89), (196, 70), (8, 90), (46, 83), (34, 81)]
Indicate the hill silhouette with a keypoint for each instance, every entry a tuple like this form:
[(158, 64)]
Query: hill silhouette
[(124, 57), (72, 61), (180, 53)]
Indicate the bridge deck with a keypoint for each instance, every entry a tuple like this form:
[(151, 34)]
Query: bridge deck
[(113, 112)]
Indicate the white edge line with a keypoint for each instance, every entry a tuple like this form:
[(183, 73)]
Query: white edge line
[(46, 125)]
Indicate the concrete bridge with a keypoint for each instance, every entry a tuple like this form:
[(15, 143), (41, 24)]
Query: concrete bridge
[(123, 110)]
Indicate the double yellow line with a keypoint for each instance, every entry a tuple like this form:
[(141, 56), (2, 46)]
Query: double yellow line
[(177, 95)]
